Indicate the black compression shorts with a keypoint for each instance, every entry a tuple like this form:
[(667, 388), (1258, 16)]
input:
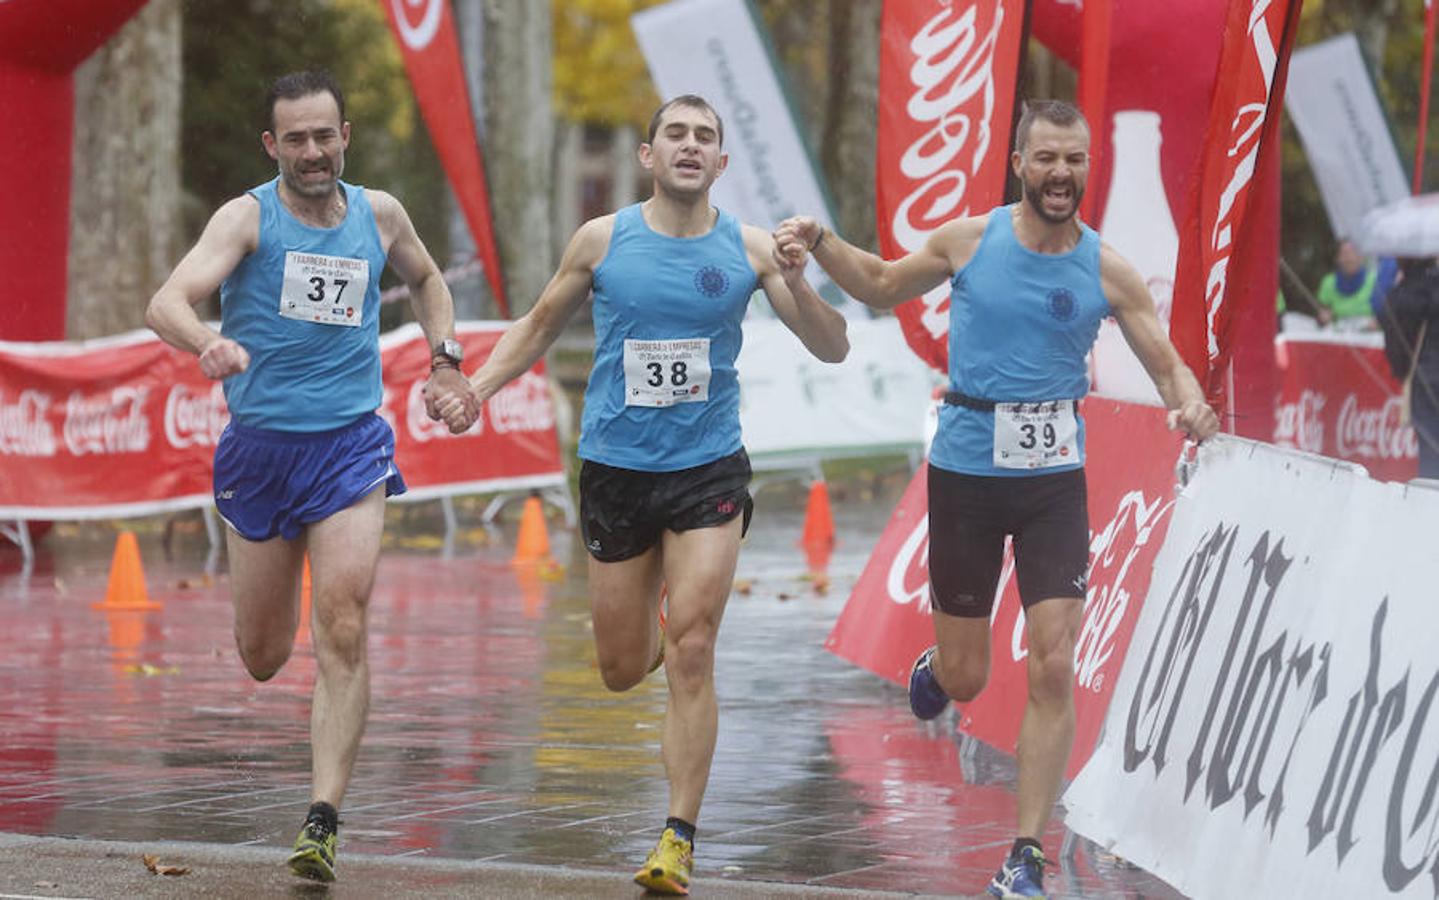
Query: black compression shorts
[(969, 517)]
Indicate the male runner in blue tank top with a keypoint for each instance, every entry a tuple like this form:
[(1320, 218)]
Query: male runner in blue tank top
[(1030, 284), (664, 483), (305, 463)]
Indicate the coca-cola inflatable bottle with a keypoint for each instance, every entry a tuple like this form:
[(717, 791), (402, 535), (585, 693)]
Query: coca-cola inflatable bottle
[(1139, 225)]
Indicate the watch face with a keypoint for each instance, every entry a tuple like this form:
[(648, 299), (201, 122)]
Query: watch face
[(451, 349)]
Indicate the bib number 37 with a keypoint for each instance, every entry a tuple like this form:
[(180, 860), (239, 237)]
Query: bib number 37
[(325, 289), (1035, 435), (663, 373)]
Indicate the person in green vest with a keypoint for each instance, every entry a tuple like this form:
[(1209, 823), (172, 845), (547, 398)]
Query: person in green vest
[(1349, 296)]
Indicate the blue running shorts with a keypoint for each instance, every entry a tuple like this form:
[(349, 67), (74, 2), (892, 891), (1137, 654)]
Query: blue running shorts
[(277, 482)]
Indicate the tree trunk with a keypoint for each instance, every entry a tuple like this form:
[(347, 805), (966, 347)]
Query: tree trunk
[(472, 296), (852, 109), (519, 129), (125, 195)]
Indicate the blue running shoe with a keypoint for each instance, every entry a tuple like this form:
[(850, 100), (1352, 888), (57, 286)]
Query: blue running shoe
[(1022, 875), (926, 698)]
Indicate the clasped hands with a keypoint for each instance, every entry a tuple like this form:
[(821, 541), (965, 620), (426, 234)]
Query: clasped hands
[(449, 397)]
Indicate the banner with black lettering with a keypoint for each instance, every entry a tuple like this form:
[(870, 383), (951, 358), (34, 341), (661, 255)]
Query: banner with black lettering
[(1273, 731)]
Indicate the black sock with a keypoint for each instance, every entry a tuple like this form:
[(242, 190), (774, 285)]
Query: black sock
[(325, 815), (682, 829), (1021, 843)]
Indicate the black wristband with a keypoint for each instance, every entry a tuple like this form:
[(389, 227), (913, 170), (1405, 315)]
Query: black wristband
[(817, 240)]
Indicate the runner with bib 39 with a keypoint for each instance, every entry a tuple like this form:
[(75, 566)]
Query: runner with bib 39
[(1030, 284)]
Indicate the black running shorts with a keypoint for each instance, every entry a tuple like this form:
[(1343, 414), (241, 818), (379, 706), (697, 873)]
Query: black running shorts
[(969, 516), (623, 512)]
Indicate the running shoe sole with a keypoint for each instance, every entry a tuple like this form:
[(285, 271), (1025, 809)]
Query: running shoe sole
[(310, 863)]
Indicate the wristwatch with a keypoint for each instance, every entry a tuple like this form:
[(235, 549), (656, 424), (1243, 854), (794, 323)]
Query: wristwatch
[(447, 352)]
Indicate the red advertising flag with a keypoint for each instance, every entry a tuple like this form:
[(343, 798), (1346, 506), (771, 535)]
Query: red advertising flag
[(947, 79), (1243, 124), (426, 32)]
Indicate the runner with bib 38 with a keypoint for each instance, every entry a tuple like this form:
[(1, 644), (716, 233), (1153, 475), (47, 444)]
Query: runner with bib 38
[(664, 493)]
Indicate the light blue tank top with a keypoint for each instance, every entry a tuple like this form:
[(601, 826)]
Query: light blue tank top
[(304, 374), (1020, 325), (666, 296)]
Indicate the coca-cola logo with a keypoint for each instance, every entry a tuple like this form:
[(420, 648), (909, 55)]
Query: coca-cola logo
[(195, 419), (422, 428), (107, 423), (24, 428), (1246, 128), (908, 578), (1373, 432), (953, 81), (1299, 424), (953, 101), (522, 405), (1114, 550)]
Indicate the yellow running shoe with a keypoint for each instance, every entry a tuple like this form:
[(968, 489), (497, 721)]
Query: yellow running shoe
[(314, 854), (667, 871)]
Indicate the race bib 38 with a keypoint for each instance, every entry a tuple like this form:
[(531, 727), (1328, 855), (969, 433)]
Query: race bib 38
[(663, 373)]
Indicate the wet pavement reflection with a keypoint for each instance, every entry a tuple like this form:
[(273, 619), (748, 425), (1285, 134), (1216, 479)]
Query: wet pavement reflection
[(491, 736)]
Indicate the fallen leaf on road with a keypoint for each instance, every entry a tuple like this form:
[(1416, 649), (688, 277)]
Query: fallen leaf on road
[(152, 863)]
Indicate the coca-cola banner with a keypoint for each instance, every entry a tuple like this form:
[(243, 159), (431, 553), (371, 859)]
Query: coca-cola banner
[(1243, 125), (127, 426), (426, 34), (1338, 398), (947, 76), (886, 622), (1273, 732)]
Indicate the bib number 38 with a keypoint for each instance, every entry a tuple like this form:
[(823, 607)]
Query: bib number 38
[(1035, 435), (663, 373)]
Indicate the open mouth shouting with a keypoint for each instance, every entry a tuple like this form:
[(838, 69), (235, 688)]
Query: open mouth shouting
[(1056, 200)]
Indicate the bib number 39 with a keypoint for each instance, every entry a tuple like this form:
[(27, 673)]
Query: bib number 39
[(1035, 435), (663, 373)]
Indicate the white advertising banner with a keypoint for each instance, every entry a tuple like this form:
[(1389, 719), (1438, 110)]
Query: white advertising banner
[(714, 48), (1273, 731), (1346, 136), (793, 405)]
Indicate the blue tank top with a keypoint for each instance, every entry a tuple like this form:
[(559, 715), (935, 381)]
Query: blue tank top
[(665, 310), (293, 304), (1020, 326)]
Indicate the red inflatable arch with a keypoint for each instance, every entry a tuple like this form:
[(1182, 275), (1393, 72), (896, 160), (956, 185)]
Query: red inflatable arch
[(41, 43)]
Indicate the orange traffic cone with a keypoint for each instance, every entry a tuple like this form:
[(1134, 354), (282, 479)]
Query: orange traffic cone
[(818, 520), (533, 543), (127, 577), (302, 633)]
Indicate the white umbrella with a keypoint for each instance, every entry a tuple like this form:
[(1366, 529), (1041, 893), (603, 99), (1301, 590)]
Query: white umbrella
[(1409, 227)]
